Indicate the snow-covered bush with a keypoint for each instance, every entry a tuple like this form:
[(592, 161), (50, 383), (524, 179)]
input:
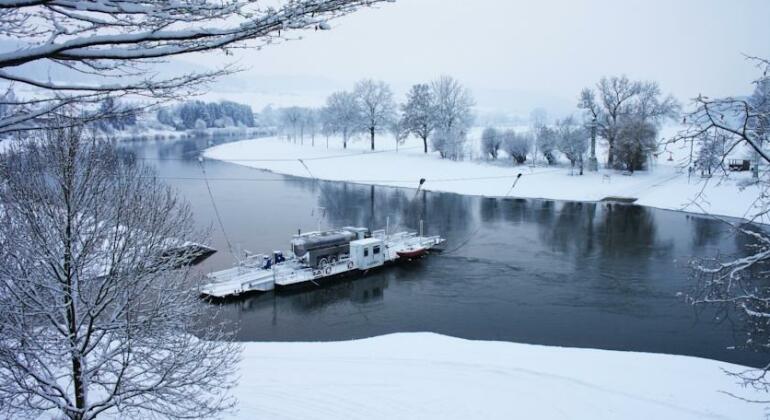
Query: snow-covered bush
[(516, 145), (450, 144)]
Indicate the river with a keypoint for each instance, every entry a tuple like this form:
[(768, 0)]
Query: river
[(595, 275)]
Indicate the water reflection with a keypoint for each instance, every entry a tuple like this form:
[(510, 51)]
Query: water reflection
[(548, 272)]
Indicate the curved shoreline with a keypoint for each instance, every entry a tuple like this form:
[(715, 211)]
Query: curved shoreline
[(658, 190)]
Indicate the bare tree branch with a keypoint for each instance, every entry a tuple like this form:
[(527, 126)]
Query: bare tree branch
[(118, 40)]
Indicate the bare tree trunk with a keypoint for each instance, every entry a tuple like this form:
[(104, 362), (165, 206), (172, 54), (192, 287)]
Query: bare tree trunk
[(611, 152), (103, 294), (425, 144), (69, 300), (371, 131)]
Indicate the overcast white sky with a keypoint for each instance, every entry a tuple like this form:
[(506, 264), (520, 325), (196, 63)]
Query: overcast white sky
[(517, 55)]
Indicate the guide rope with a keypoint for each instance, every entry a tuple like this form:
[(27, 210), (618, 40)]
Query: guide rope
[(216, 210), (307, 169), (478, 228), (514, 184)]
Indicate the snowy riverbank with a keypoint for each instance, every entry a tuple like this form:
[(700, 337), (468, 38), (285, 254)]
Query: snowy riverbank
[(430, 376), (663, 187)]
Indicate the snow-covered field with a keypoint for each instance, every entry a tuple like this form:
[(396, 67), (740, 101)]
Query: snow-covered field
[(665, 186), (430, 376)]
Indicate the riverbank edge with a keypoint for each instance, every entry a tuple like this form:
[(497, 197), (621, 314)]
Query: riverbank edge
[(610, 200), (272, 147), (429, 375)]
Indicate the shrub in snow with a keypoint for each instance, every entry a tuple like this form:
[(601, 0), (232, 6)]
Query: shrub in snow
[(450, 144), (516, 145)]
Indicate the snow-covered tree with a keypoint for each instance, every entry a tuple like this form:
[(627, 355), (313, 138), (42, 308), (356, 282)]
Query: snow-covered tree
[(546, 142), (376, 108), (97, 310), (635, 140), (200, 124), (453, 110), (268, 117), (8, 101), (712, 153), (291, 121), (621, 104), (491, 140), (449, 143), (759, 101), (397, 130), (740, 285), (572, 141), (538, 119), (310, 123), (341, 115), (113, 46), (115, 116), (419, 116), (186, 116), (517, 145), (165, 116)]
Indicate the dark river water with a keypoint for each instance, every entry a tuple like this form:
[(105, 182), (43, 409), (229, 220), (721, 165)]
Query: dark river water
[(532, 271)]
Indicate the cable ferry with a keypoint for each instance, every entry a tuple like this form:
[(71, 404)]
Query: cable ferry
[(319, 255)]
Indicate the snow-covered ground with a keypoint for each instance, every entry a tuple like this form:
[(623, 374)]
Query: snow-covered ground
[(665, 186), (430, 376)]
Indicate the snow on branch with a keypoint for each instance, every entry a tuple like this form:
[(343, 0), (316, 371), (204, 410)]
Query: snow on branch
[(110, 41), (737, 284)]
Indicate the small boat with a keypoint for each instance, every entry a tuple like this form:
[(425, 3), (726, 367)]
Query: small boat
[(412, 252)]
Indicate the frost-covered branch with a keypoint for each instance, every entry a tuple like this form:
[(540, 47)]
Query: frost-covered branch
[(114, 43), (97, 308), (739, 284)]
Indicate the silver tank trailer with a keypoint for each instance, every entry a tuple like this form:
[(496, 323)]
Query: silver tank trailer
[(324, 247)]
